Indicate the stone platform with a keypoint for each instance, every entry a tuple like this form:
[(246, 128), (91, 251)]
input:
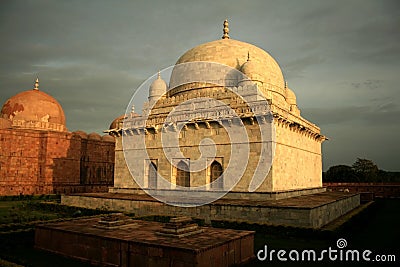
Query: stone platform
[(215, 194), (310, 211), (144, 243)]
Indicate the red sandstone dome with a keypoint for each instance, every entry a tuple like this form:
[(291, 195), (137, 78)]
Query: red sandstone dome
[(34, 109)]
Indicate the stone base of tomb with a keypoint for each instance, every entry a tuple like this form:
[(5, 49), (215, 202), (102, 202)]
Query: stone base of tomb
[(230, 195), (142, 243), (309, 211)]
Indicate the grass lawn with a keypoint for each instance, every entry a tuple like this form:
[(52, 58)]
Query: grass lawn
[(19, 211)]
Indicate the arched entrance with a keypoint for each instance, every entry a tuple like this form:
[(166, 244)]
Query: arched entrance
[(152, 176), (216, 176), (183, 174)]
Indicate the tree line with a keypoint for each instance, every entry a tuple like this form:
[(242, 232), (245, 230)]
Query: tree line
[(362, 171)]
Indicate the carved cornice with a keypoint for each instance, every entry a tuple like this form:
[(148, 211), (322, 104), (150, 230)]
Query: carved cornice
[(296, 127)]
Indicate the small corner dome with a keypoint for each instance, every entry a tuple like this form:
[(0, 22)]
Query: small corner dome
[(290, 96), (94, 136), (82, 134), (115, 123), (249, 67), (158, 87)]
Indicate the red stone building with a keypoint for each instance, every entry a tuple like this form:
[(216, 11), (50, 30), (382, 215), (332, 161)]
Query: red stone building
[(38, 155)]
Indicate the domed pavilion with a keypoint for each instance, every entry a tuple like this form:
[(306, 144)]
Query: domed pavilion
[(239, 73), (223, 135)]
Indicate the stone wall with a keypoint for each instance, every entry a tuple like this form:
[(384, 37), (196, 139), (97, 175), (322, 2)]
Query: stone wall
[(298, 159), (297, 163), (386, 190), (138, 244), (47, 162)]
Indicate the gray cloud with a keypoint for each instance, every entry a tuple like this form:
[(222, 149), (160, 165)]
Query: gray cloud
[(375, 116), (370, 84), (297, 66)]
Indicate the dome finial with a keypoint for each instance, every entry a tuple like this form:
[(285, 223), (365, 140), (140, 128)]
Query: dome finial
[(226, 30), (286, 86), (36, 84), (159, 75)]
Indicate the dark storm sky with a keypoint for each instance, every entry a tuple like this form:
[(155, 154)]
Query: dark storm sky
[(341, 58)]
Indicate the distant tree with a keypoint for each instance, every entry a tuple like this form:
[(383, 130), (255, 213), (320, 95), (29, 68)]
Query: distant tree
[(363, 170), (388, 177), (340, 173), (366, 170)]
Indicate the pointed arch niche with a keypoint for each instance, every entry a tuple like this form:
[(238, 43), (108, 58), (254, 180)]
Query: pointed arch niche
[(182, 174), (152, 174), (216, 177)]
